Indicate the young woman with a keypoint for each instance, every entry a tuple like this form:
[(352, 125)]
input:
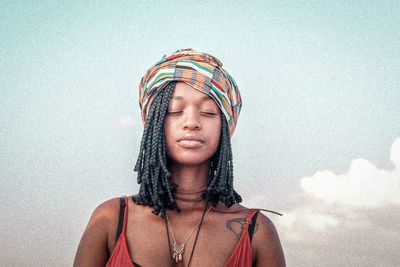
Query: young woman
[(186, 212)]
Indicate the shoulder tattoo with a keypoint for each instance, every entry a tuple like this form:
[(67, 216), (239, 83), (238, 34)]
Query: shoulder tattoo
[(236, 225)]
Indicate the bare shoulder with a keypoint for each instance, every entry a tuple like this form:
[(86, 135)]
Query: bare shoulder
[(93, 249), (266, 228), (266, 242), (106, 210), (104, 215)]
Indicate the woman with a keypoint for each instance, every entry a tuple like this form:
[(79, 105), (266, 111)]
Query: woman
[(186, 212)]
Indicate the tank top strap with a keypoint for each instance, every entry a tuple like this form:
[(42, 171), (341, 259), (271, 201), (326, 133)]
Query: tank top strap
[(252, 218), (249, 217), (123, 215)]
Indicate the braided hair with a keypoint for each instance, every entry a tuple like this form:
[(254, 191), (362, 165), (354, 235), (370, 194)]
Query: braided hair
[(156, 189)]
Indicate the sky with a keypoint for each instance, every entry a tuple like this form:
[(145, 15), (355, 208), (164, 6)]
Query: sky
[(318, 138)]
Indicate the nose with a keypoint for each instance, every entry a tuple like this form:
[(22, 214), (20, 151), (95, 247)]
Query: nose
[(192, 121)]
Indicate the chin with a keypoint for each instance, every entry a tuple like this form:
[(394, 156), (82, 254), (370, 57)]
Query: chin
[(189, 161), (190, 158)]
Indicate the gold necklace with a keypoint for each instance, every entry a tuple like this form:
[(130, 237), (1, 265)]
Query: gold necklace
[(179, 249)]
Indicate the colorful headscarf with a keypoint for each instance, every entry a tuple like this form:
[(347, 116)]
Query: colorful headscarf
[(199, 70)]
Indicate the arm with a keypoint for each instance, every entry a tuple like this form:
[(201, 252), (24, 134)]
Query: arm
[(93, 247), (267, 244)]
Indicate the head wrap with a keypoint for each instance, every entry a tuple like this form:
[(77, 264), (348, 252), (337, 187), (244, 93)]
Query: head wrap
[(199, 70)]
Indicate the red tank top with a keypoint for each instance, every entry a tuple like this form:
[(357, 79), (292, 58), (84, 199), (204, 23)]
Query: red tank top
[(241, 255)]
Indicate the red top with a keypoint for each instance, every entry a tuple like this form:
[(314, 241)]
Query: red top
[(241, 256)]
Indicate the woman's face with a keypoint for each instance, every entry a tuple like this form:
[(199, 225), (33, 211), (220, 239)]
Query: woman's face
[(192, 126)]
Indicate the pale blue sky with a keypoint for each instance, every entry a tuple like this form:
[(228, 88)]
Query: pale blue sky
[(319, 81)]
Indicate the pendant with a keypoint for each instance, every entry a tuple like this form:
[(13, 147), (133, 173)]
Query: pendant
[(178, 252)]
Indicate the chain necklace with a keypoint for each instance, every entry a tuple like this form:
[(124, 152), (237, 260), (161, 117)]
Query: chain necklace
[(179, 249)]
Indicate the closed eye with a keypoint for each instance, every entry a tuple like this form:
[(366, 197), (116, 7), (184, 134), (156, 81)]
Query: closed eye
[(209, 113), (174, 112)]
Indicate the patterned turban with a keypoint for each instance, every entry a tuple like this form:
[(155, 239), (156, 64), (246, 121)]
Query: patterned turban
[(199, 70)]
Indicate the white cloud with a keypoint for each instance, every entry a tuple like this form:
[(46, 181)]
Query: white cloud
[(348, 219), (364, 185), (395, 153)]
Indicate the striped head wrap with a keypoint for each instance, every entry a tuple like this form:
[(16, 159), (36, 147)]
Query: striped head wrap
[(199, 70)]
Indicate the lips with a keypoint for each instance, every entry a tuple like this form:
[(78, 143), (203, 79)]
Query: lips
[(190, 141)]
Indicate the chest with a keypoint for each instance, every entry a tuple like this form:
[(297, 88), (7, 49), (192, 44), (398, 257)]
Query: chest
[(217, 239)]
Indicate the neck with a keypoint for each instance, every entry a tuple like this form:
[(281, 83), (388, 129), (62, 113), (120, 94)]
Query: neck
[(191, 181), (189, 196)]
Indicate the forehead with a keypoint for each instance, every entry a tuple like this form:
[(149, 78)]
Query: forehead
[(184, 91)]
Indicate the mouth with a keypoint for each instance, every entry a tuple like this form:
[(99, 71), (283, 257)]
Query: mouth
[(190, 141)]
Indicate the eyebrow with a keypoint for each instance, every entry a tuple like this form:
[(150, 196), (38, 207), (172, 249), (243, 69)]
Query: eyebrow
[(204, 98)]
